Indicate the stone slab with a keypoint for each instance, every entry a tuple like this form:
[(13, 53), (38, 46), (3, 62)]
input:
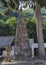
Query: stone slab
[(15, 63), (24, 63)]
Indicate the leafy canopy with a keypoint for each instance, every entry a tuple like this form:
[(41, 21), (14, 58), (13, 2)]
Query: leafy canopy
[(14, 4)]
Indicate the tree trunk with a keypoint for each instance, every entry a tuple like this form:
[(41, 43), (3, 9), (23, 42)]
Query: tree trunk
[(39, 31)]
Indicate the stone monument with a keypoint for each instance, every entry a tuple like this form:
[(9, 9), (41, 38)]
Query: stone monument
[(22, 40)]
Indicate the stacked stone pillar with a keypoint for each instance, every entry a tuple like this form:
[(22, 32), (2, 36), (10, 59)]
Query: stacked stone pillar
[(22, 40)]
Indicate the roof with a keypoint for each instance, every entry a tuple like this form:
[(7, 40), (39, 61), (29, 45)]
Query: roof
[(6, 40)]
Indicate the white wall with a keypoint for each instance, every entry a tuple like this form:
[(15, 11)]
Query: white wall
[(35, 45)]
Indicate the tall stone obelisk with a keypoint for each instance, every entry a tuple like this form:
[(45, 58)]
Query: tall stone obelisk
[(22, 41)]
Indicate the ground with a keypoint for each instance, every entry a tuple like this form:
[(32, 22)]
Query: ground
[(31, 62)]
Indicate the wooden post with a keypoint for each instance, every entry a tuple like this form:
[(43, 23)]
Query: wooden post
[(8, 53)]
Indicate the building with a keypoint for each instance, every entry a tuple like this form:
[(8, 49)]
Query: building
[(5, 41), (9, 41)]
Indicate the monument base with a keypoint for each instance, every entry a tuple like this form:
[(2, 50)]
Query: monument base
[(26, 53), (23, 55)]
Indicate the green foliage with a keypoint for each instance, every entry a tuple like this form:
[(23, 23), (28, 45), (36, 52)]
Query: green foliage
[(33, 19), (2, 27), (31, 28), (10, 4), (11, 21), (44, 29), (12, 24), (8, 28)]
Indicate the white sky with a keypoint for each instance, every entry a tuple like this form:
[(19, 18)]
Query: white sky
[(22, 4)]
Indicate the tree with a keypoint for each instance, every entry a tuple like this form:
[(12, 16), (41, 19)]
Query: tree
[(39, 31), (10, 4)]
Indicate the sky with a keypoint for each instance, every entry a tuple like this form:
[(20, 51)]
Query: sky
[(23, 4)]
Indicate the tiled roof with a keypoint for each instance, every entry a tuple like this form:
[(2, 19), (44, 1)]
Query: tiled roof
[(6, 40)]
